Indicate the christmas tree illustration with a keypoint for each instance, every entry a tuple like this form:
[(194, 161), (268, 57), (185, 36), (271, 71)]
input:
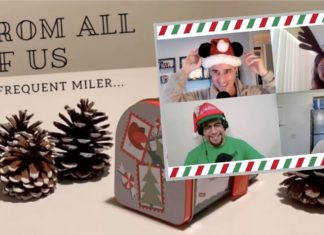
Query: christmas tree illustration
[(151, 194)]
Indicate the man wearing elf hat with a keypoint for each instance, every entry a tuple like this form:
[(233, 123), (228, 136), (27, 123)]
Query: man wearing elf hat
[(222, 58), (210, 123)]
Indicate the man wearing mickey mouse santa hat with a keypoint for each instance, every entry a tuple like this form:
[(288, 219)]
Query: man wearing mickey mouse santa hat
[(211, 124), (222, 58)]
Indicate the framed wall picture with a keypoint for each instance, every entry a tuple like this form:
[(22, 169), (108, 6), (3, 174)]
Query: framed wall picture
[(164, 78), (167, 64)]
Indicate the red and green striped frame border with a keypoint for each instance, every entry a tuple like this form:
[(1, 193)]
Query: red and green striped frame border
[(289, 163), (243, 24)]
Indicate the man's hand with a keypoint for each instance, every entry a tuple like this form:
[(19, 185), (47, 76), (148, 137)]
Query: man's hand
[(255, 63), (192, 62)]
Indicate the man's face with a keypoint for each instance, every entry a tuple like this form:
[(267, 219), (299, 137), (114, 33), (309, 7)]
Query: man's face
[(223, 77), (214, 132)]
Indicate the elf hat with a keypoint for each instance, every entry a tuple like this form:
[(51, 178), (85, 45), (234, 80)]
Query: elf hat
[(220, 51), (206, 112)]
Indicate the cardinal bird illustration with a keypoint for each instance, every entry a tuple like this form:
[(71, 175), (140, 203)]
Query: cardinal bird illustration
[(136, 136)]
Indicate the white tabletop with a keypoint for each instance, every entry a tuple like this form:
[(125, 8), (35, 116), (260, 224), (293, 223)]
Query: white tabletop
[(90, 208)]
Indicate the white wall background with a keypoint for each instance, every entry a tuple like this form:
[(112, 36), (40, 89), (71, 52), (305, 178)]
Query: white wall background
[(252, 118), (294, 109), (112, 101), (181, 47)]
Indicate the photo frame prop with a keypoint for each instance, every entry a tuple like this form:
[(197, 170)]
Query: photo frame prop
[(257, 35)]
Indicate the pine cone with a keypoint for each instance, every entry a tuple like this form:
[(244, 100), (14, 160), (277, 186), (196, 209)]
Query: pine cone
[(306, 186), (15, 124), (82, 142), (27, 167)]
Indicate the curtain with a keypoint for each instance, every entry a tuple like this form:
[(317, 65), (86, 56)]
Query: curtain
[(293, 66)]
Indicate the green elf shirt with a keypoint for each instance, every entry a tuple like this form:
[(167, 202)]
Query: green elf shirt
[(207, 153)]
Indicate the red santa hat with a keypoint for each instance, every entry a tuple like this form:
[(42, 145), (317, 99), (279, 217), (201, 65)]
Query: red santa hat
[(221, 51), (206, 112)]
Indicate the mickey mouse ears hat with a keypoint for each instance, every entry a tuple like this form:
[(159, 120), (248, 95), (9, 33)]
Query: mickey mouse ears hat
[(206, 112), (220, 51)]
